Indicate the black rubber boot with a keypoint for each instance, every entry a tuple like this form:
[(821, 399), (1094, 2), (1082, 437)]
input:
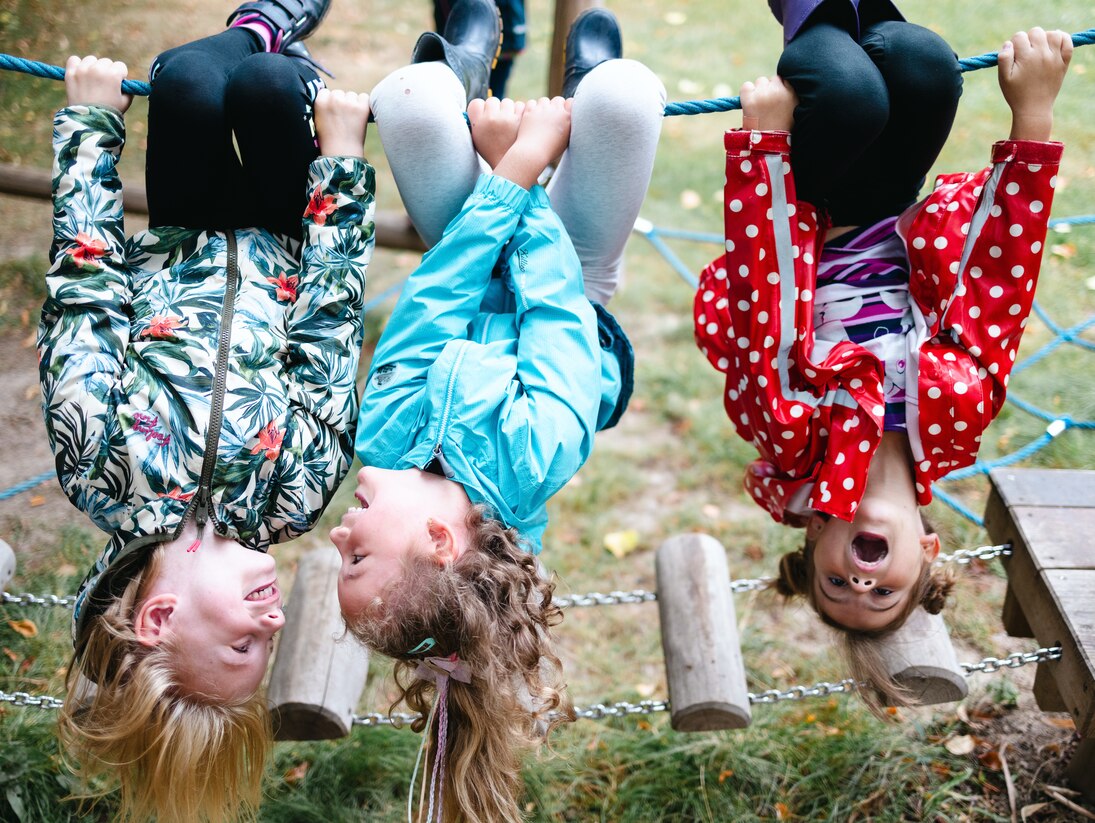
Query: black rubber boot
[(470, 45), (291, 20), (299, 51), (594, 37)]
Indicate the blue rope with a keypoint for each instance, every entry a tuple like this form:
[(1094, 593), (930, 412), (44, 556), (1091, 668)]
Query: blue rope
[(26, 485), (718, 104)]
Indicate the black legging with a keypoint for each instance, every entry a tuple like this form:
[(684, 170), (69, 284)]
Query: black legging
[(873, 113), (202, 94)]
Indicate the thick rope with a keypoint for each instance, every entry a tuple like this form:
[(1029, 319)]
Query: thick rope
[(718, 104)]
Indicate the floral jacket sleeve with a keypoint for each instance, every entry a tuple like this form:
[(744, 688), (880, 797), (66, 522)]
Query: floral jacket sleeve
[(816, 418)]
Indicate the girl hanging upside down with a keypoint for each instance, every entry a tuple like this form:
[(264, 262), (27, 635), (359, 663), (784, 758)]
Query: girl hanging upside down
[(867, 340)]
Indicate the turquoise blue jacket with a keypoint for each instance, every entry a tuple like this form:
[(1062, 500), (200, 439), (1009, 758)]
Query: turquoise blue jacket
[(503, 379)]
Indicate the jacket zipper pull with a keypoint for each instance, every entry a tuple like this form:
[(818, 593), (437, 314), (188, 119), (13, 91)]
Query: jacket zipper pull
[(446, 469), (201, 512)]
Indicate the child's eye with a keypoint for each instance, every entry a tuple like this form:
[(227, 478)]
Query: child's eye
[(355, 559), (883, 592), (837, 581), (246, 647)]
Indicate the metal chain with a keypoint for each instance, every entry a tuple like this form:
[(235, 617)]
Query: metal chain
[(965, 556), (822, 689), (1014, 660), (24, 699), (26, 599), (610, 599)]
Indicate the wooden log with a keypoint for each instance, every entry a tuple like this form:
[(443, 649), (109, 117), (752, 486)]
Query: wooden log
[(565, 12), (393, 230), (1081, 769), (703, 663), (7, 565), (920, 658), (320, 669)]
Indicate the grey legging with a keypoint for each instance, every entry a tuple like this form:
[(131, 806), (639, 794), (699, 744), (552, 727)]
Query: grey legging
[(597, 190)]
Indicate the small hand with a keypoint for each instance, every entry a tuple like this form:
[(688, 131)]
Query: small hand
[(96, 81), (494, 125), (542, 136), (1032, 67), (768, 105), (341, 120)]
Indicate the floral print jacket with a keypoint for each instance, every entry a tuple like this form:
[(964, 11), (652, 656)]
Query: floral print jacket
[(192, 372)]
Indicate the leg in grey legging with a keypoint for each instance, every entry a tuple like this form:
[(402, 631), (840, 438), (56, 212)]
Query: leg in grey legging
[(599, 186), (419, 113), (602, 178)]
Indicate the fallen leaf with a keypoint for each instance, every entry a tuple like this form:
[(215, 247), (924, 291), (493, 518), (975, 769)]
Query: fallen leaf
[(676, 18), (37, 500), (1063, 722), (644, 689), (66, 570), (31, 340), (26, 628), (991, 760), (296, 774), (710, 511), (782, 812), (754, 552), (690, 199), (1033, 808), (1066, 251), (24, 317), (30, 392), (962, 744), (10, 655), (725, 774), (621, 544)]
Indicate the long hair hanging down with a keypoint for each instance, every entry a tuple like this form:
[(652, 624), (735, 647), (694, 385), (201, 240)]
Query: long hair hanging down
[(862, 649), (493, 610), (173, 757)]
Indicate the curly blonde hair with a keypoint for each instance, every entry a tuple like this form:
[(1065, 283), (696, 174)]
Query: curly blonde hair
[(862, 649), (126, 724), (493, 610)]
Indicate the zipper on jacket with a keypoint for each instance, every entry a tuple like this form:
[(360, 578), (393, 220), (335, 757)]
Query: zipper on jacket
[(203, 499), (450, 389)]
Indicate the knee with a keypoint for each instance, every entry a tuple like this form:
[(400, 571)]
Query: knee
[(622, 92), (919, 66), (261, 82), (420, 93), (182, 79)]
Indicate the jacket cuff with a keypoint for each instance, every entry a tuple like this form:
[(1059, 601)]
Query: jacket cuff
[(106, 119), (1027, 151), (503, 191), (743, 141)]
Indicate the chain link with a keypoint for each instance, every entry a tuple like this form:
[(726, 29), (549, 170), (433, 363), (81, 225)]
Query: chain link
[(599, 711), (610, 599), (822, 689), (24, 699), (989, 665), (965, 556), (26, 599)]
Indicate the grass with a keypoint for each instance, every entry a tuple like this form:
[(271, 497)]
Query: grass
[(672, 465)]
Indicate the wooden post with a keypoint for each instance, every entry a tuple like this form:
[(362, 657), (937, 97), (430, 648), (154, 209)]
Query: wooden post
[(565, 12), (320, 669), (920, 657), (703, 664), (1081, 769), (7, 565), (394, 231)]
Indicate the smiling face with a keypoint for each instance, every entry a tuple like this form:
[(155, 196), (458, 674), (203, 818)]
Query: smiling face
[(219, 606), (865, 571)]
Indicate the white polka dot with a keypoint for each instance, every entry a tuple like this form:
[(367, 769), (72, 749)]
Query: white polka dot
[(1015, 230), (864, 446), (743, 270), (762, 317), (1036, 247), (975, 351), (848, 483), (965, 228), (934, 428), (960, 387), (1017, 271), (743, 305), (960, 425), (879, 411), (975, 272), (994, 330), (1053, 182), (762, 189), (952, 206), (734, 205), (808, 259), (788, 435), (919, 242), (1012, 188), (708, 296), (743, 342), (797, 411), (934, 392), (791, 209), (746, 166), (925, 465), (751, 231), (754, 357), (762, 381), (723, 364), (729, 245), (920, 488), (732, 394), (1034, 167), (994, 251), (975, 312), (996, 291), (1036, 206), (773, 278), (855, 382), (1014, 309), (931, 208), (769, 341), (712, 328), (996, 211)]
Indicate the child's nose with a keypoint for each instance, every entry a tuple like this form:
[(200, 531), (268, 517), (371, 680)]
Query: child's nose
[(862, 584), (274, 620)]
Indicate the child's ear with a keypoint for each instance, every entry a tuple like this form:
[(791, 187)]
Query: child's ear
[(154, 618), (446, 548), (814, 526), (930, 545)]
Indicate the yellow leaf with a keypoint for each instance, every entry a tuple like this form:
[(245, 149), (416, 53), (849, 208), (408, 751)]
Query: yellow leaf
[(960, 744), (24, 627), (724, 774), (621, 544), (1064, 250), (37, 500), (782, 812), (297, 773)]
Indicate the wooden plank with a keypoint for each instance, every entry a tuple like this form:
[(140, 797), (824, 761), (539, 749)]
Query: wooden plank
[(1046, 694), (1015, 622), (1057, 488), (320, 669), (1081, 771), (393, 230), (703, 665), (565, 12), (920, 658), (1057, 538)]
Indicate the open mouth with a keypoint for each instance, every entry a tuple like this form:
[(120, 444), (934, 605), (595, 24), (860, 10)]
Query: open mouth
[(869, 549), (263, 593)]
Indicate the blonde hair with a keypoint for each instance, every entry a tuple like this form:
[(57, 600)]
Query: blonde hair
[(173, 756), (494, 611), (862, 648)]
